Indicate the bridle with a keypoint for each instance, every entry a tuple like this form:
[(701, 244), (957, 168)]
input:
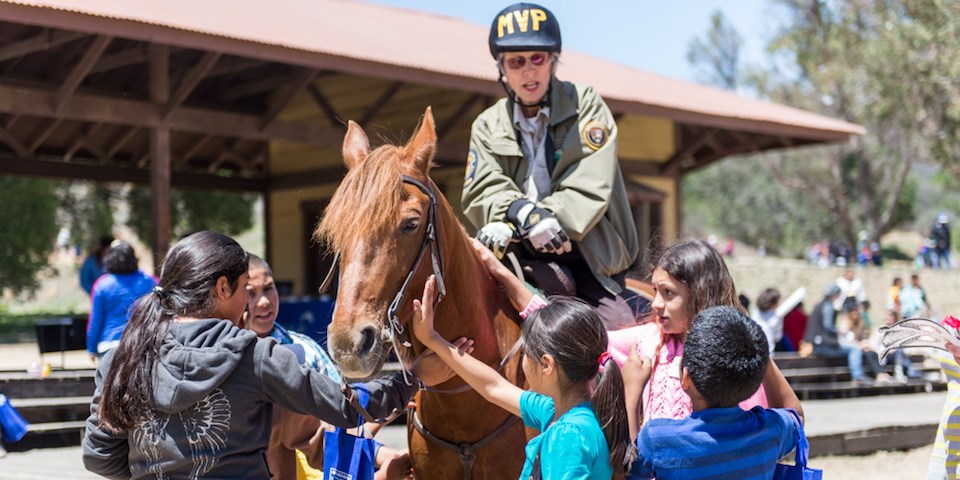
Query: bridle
[(431, 240)]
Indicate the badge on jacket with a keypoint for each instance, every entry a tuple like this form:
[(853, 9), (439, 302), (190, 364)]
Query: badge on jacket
[(471, 167), (594, 134)]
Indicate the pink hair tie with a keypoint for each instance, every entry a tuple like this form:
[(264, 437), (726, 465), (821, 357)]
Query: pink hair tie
[(603, 358)]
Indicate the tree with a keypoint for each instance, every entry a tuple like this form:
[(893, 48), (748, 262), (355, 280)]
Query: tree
[(29, 219), (881, 64), (718, 54), (193, 210)]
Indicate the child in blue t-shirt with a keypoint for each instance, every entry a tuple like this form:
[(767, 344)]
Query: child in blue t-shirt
[(563, 351), (724, 360)]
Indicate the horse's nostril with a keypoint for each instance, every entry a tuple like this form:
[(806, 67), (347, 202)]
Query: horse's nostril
[(367, 338)]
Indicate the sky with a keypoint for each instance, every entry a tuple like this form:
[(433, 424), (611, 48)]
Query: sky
[(652, 35)]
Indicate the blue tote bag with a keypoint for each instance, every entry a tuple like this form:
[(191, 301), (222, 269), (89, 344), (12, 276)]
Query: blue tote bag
[(348, 457), (800, 470), (13, 425)]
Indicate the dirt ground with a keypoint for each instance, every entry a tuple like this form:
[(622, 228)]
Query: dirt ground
[(908, 465)]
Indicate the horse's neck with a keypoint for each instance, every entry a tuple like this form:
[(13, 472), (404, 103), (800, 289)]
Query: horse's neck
[(474, 305)]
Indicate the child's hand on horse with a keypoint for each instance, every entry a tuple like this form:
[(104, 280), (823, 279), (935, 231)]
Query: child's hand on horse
[(515, 289), (423, 311), (431, 370)]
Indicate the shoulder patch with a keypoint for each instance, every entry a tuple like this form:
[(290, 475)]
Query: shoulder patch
[(471, 167), (594, 134)]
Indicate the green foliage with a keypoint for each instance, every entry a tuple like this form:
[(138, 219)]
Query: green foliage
[(29, 219), (193, 210), (86, 209), (890, 66)]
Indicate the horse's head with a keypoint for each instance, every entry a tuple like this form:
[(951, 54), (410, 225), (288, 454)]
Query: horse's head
[(377, 223)]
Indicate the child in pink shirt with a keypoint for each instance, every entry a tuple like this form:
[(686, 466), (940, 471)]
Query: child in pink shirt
[(689, 277)]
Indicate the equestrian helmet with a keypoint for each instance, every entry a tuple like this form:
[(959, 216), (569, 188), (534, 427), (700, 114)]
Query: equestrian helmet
[(524, 27)]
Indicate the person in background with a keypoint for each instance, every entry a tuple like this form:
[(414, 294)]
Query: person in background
[(92, 266), (542, 170), (851, 291), (795, 326), (114, 294), (772, 325), (913, 299), (852, 331), (941, 242), (823, 336)]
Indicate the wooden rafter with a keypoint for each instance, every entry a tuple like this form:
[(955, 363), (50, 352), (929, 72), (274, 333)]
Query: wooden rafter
[(449, 123), (255, 87), (688, 150), (44, 40), (84, 140), (82, 68), (121, 141), (321, 101), (190, 81), (15, 144), (233, 65), (303, 78), (43, 134), (381, 102), (194, 149), (125, 58), (111, 173), (114, 110)]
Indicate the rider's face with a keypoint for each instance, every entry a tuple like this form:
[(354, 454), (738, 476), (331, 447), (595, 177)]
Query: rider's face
[(530, 81)]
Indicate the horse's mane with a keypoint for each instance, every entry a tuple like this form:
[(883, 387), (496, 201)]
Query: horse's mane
[(366, 201)]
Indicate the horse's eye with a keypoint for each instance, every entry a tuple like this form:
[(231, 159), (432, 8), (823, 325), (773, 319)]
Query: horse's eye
[(410, 226)]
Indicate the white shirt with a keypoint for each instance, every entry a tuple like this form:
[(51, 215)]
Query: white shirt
[(533, 135)]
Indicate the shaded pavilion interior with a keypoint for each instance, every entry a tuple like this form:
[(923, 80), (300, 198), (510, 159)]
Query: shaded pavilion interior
[(86, 95)]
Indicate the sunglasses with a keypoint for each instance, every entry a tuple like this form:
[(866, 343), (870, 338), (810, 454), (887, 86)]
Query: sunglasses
[(518, 62)]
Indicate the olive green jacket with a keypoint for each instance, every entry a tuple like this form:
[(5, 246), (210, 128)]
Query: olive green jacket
[(587, 192)]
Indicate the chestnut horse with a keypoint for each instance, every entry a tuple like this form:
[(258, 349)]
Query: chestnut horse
[(392, 228)]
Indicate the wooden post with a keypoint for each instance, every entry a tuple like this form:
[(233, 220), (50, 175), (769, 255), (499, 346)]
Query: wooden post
[(160, 155), (678, 205)]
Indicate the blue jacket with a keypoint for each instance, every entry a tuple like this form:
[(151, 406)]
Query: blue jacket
[(111, 305)]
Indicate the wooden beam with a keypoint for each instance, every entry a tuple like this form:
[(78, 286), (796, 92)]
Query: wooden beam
[(95, 108), (449, 123), (321, 101), (194, 149), (131, 56), (255, 87), (118, 143), (160, 155), (300, 82), (233, 65), (137, 113), (45, 40), (82, 68), (15, 144), (110, 173), (190, 81), (43, 134), (83, 140), (380, 102), (688, 150)]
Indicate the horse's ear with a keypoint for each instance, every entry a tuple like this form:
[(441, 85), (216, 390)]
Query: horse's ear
[(356, 146), (424, 143)]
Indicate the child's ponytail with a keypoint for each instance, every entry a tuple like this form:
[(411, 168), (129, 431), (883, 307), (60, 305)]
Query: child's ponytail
[(609, 403)]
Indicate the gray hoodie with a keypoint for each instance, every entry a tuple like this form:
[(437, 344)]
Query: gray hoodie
[(214, 385)]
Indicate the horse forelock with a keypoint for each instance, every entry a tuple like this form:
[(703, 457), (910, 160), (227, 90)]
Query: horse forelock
[(366, 201)]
